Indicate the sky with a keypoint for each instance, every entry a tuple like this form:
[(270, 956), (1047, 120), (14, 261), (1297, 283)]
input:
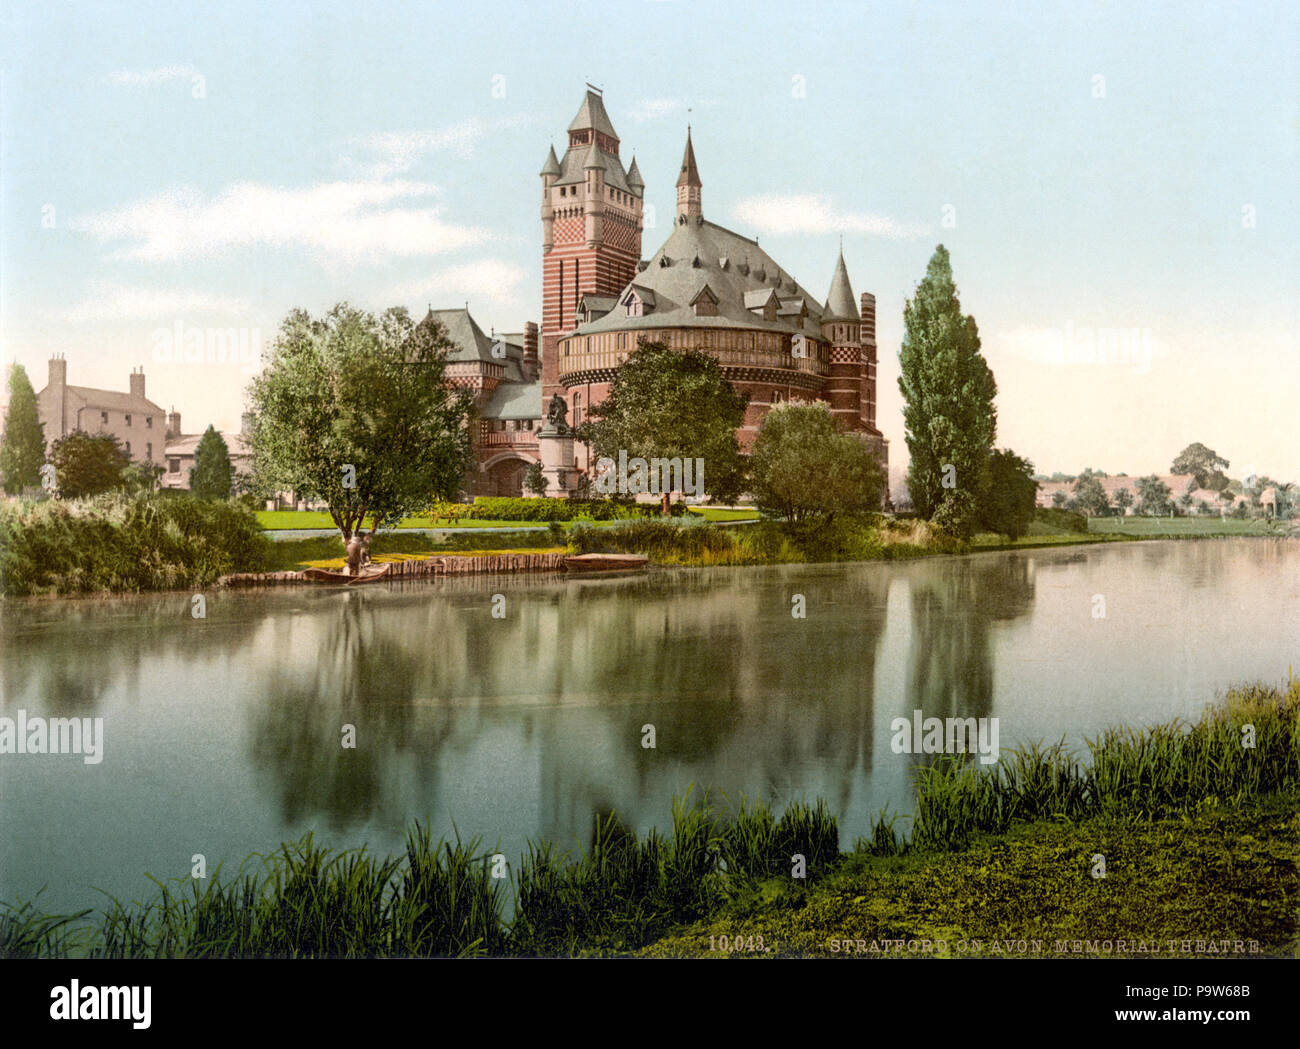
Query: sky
[(1115, 182)]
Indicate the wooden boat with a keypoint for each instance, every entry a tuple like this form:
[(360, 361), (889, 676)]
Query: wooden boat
[(587, 563), (369, 574)]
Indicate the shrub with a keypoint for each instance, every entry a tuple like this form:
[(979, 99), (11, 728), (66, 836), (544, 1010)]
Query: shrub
[(115, 542), (497, 508), (1060, 519)]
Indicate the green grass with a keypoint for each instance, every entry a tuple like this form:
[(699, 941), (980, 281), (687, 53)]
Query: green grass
[(284, 520), (1152, 527), (1198, 832)]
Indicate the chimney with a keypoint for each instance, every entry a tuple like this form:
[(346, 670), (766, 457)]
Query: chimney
[(58, 370), (174, 422), (868, 356), (137, 382), (868, 318), (530, 352)]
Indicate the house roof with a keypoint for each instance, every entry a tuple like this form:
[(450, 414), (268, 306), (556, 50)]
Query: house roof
[(187, 444), (113, 399)]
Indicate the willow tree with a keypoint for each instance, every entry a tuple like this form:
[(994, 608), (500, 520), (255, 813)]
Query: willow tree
[(948, 411), (353, 410)]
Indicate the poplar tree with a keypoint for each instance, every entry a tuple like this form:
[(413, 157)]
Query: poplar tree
[(22, 449), (948, 411)]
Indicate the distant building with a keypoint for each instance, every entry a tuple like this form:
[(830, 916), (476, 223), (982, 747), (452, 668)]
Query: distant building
[(181, 447), (131, 417)]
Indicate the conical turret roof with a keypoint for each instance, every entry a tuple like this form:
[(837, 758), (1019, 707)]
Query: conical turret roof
[(690, 175), (552, 165), (634, 180), (839, 303)]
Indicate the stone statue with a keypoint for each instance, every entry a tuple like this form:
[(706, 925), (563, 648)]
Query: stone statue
[(557, 415)]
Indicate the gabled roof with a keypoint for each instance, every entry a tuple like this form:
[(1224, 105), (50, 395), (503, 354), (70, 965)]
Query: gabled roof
[(591, 114), (646, 295), (705, 292), (839, 303), (114, 400)]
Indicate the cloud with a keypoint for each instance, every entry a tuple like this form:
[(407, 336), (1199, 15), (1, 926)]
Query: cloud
[(118, 302), (335, 223), (160, 75), (807, 214), (493, 280), (1071, 345), (396, 152)]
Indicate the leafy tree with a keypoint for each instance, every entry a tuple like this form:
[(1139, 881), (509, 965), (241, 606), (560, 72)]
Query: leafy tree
[(668, 404), (1091, 496), (534, 479), (87, 464), (809, 471), (141, 477), (1153, 496), (22, 448), (1205, 463), (1123, 500), (1058, 498), (353, 410), (1012, 495), (948, 410), (211, 475)]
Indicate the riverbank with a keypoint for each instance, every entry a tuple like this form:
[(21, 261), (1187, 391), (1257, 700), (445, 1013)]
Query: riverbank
[(1181, 832)]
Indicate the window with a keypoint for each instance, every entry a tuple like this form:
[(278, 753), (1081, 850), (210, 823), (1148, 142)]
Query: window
[(577, 408), (148, 451), (128, 419), (148, 422), (174, 465), (128, 447), (103, 418)]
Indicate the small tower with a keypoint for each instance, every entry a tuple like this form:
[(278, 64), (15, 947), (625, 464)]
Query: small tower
[(842, 328), (689, 185), (550, 172)]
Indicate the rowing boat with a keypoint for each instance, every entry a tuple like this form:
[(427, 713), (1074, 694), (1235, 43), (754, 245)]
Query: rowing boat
[(605, 563), (370, 574)]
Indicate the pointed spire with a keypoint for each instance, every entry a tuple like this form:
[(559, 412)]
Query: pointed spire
[(552, 165), (839, 303), (634, 180), (690, 175), (592, 116)]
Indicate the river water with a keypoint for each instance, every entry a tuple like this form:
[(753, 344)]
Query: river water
[(223, 735)]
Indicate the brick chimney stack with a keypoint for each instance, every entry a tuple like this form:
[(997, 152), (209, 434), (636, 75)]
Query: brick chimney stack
[(137, 382), (173, 423), (530, 362), (869, 359), (58, 370)]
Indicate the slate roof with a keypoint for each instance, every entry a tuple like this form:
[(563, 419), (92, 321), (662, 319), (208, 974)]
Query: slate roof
[(591, 114), (573, 169), (187, 444), (741, 275), (839, 303), (471, 342), (114, 400), (515, 400)]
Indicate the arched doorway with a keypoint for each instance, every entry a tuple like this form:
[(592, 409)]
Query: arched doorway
[(505, 477)]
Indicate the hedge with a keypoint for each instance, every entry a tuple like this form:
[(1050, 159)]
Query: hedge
[(500, 508)]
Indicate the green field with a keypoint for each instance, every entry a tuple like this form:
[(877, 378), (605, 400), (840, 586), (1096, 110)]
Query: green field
[(293, 519), (1150, 527)]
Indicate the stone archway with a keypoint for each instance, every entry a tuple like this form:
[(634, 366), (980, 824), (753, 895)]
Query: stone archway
[(505, 477)]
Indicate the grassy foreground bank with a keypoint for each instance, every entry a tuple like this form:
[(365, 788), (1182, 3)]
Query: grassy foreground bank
[(1197, 830)]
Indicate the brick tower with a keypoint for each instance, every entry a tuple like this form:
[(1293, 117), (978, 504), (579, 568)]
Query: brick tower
[(591, 227), (842, 328)]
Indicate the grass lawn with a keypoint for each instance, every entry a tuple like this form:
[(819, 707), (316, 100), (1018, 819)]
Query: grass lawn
[(276, 520), (1148, 527), (1220, 873)]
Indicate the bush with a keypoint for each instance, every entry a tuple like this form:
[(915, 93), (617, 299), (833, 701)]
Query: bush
[(496, 508), (1062, 520), (115, 542)]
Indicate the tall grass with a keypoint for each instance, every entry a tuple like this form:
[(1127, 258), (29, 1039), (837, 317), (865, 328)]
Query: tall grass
[(117, 542), (1242, 749)]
